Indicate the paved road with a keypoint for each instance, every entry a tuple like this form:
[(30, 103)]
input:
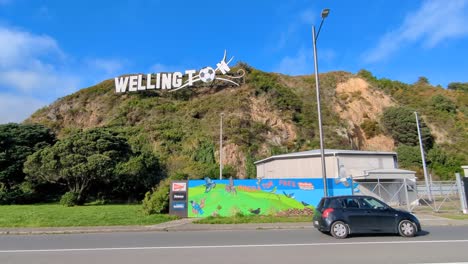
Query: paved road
[(435, 245)]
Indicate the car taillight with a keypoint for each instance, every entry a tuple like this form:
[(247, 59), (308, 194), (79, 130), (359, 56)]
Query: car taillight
[(326, 212)]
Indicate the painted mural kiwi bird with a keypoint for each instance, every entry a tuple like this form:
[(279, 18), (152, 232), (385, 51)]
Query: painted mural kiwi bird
[(209, 184), (197, 208), (289, 195), (256, 211)]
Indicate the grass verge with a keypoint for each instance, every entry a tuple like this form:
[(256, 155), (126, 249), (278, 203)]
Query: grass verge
[(241, 219), (53, 215), (455, 216)]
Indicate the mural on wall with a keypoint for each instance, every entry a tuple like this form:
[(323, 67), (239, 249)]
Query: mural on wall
[(258, 196)]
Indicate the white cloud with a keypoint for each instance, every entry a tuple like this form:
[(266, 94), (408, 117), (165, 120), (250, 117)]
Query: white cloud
[(32, 81), (18, 48), (33, 70), (17, 108), (109, 66), (303, 62), (435, 21), (305, 17)]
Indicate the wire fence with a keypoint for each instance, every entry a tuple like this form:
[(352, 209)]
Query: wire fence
[(442, 196)]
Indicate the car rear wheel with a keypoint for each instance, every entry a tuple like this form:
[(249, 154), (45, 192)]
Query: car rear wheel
[(339, 230), (406, 228)]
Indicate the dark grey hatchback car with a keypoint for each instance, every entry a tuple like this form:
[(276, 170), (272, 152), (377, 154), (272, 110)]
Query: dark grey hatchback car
[(345, 215)]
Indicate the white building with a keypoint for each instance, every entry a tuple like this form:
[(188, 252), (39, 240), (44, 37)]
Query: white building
[(376, 172)]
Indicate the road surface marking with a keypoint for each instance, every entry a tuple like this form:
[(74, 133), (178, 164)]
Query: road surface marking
[(230, 246)]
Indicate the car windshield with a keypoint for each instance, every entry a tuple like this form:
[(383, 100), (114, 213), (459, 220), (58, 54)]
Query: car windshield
[(369, 202)]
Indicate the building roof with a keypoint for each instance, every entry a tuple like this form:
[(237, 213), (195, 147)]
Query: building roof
[(327, 152), (384, 174), (389, 171)]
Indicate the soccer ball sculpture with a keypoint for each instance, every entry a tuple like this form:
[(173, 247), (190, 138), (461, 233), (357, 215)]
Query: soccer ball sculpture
[(207, 74)]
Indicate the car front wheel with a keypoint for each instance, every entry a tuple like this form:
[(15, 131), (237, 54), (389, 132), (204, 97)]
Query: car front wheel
[(339, 230), (406, 228)]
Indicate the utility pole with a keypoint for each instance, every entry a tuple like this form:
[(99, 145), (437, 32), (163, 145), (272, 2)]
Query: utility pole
[(221, 147), (325, 13), (428, 189)]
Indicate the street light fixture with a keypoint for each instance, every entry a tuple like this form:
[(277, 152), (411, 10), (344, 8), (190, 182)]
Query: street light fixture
[(325, 13)]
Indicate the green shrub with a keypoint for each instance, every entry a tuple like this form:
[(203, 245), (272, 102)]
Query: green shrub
[(409, 156), (443, 104), (69, 199), (156, 201), (240, 214), (371, 128)]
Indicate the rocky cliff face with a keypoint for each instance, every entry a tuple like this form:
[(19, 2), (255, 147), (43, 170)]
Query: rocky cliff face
[(356, 102)]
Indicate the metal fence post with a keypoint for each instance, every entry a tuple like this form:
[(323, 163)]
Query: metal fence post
[(406, 195), (461, 193), (378, 184)]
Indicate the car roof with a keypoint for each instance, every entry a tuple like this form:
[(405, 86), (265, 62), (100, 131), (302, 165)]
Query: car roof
[(346, 196)]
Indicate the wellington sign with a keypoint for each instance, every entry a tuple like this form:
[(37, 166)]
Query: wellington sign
[(176, 80)]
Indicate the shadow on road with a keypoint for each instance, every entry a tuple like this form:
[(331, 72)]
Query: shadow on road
[(419, 234), (423, 233)]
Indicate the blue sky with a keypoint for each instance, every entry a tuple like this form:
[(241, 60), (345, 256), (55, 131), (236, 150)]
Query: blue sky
[(49, 49)]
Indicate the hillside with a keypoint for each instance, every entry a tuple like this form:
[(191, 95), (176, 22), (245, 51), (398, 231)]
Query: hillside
[(268, 114)]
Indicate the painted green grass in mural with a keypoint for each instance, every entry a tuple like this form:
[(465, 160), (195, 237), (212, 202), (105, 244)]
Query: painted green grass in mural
[(243, 219), (54, 215), (218, 202)]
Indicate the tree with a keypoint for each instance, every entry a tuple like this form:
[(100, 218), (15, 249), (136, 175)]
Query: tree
[(17, 142), (409, 156), (458, 86), (367, 75), (442, 103), (137, 175), (400, 123), (422, 81), (80, 161), (443, 165)]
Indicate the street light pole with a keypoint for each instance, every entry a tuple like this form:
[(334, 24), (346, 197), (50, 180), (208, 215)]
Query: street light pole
[(325, 13), (428, 189), (221, 147)]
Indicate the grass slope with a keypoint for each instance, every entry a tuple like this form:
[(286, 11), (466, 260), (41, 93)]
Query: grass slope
[(53, 215)]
